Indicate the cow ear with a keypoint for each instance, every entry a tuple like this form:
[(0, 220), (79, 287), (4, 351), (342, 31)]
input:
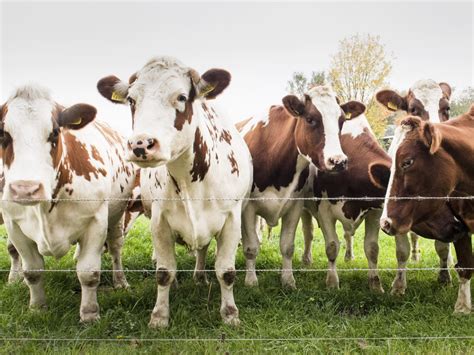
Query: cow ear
[(431, 137), (410, 123), (212, 83), (391, 100), (352, 109), (379, 174), (294, 105), (446, 89), (113, 89), (77, 116)]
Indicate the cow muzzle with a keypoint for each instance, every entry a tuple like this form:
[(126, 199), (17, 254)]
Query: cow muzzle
[(27, 192), (336, 163), (391, 228), (145, 151)]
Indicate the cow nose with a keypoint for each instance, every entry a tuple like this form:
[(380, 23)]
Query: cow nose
[(27, 190), (142, 146), (386, 224), (337, 163)]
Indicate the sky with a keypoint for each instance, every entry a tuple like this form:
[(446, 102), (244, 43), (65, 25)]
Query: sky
[(69, 46)]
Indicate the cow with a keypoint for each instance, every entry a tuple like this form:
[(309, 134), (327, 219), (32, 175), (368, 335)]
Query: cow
[(434, 160), (362, 149), (196, 168), (53, 157), (283, 143), (428, 100)]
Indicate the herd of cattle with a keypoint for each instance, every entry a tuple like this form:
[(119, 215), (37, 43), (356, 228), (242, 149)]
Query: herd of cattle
[(68, 179)]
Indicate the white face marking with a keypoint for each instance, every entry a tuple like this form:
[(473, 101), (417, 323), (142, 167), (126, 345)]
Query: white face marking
[(156, 92), (429, 93), (325, 101), (29, 123), (355, 127), (398, 138)]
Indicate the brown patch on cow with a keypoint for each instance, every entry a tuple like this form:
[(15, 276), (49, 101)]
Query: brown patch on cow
[(12, 251), (96, 154), (229, 277), (163, 276), (225, 136), (233, 163), (201, 161), (33, 277), (8, 152), (463, 248), (187, 115), (3, 111), (229, 310), (303, 179), (111, 135)]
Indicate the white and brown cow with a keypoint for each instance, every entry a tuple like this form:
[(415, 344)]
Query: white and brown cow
[(195, 161), (362, 149), (435, 160), (428, 100), (283, 145), (53, 157)]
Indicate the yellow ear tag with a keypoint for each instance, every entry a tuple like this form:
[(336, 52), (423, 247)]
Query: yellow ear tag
[(77, 122), (392, 106), (117, 97), (348, 115), (206, 90)]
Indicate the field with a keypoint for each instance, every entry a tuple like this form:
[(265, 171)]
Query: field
[(305, 317)]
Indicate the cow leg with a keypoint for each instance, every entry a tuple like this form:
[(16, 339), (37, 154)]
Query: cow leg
[(402, 247), (443, 250), (115, 241), (88, 266), (371, 248), (165, 270), (308, 229), (349, 237), (287, 243), (269, 231), (415, 248), (328, 226), (227, 244), (15, 274), (32, 262), (464, 267), (200, 276), (250, 244)]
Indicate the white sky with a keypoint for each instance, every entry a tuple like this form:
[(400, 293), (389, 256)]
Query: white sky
[(69, 47)]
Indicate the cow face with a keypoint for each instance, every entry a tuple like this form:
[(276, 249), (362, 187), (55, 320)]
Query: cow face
[(419, 168), (162, 97), (30, 134), (318, 128), (425, 99)]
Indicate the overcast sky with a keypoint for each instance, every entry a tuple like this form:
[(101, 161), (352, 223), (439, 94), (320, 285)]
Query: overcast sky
[(69, 47)]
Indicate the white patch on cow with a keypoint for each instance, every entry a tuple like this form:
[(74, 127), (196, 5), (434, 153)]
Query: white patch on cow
[(429, 93), (324, 98), (355, 127), (463, 302), (398, 138), (263, 118)]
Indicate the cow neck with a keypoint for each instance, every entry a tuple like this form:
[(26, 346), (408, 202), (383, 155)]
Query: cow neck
[(274, 151)]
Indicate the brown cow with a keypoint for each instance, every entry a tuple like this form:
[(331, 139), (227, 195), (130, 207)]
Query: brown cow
[(434, 160), (362, 149)]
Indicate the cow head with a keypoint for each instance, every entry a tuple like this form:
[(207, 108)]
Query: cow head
[(30, 134), (320, 118), (162, 97), (426, 99), (419, 168)]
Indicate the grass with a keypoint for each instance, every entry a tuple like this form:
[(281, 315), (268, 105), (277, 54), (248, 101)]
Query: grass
[(267, 311)]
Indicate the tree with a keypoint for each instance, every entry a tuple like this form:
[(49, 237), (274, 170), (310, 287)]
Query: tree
[(300, 83), (463, 102), (359, 68)]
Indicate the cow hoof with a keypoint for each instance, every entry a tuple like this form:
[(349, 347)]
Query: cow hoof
[(14, 277), (375, 285), (251, 280), (233, 322), (348, 257), (444, 278), (38, 307), (462, 308), (89, 317), (307, 259), (288, 282), (230, 316), (157, 322), (398, 288), (121, 284), (200, 278), (332, 281)]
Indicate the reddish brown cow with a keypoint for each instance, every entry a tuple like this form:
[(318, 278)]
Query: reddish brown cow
[(434, 160)]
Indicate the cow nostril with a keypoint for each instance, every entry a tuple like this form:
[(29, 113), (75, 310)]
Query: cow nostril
[(151, 143), (139, 142)]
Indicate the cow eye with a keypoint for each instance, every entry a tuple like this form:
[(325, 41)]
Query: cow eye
[(182, 98), (311, 122), (407, 163), (414, 111)]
